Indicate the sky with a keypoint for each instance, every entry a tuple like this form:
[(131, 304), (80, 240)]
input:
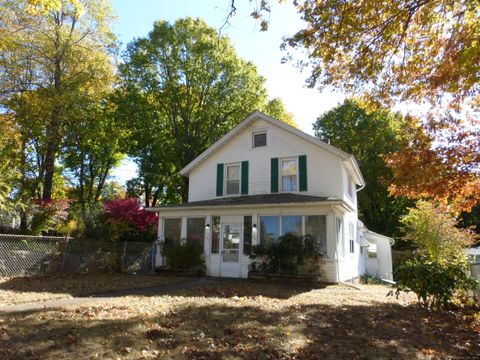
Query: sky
[(135, 19)]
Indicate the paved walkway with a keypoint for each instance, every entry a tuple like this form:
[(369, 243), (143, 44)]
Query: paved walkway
[(104, 296)]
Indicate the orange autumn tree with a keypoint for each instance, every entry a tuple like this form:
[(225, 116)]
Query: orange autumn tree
[(444, 169), (424, 52)]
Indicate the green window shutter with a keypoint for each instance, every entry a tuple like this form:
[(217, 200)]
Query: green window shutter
[(244, 177), (302, 164), (219, 179), (274, 175)]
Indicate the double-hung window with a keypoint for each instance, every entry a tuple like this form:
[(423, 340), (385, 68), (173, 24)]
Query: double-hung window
[(289, 172), (233, 179)]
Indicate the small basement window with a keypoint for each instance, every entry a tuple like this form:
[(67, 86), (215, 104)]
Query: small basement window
[(259, 139)]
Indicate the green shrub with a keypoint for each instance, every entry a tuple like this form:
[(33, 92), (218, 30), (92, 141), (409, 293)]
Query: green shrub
[(185, 257), (434, 283), (291, 254)]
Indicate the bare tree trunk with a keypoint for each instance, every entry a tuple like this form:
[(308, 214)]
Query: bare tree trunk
[(49, 169)]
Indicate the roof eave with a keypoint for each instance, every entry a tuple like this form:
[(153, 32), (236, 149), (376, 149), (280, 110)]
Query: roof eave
[(258, 114), (243, 206)]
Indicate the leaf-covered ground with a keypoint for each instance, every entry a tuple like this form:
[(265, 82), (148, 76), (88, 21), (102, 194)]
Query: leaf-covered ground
[(240, 319), (28, 289)]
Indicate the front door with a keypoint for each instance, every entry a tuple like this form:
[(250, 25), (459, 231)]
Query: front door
[(230, 264)]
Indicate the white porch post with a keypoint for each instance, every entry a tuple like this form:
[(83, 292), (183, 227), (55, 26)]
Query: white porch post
[(159, 261), (208, 233), (255, 237), (183, 232)]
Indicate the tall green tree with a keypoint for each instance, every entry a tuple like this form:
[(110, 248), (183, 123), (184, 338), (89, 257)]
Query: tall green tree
[(50, 61), (370, 136), (94, 145), (183, 87), (276, 109)]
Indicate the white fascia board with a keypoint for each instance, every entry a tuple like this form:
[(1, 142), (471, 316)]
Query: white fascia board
[(254, 206)]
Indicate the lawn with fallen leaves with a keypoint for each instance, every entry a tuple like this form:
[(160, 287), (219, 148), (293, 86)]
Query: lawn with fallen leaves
[(245, 320), (26, 289)]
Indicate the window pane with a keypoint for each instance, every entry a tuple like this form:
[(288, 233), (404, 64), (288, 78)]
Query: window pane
[(247, 235), (233, 187), (292, 224), (196, 231), (172, 231), (289, 167), (233, 172), (316, 227), (289, 183), (259, 140), (215, 234), (231, 243), (269, 228), (340, 240)]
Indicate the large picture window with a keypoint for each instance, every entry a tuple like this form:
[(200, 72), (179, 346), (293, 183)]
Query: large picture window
[(233, 179), (289, 171), (316, 228), (271, 227), (172, 230), (196, 231)]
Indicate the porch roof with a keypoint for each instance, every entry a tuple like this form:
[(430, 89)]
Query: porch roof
[(250, 200)]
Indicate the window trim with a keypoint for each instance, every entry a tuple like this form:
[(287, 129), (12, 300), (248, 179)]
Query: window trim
[(340, 242), (226, 165), (351, 238), (259, 132), (280, 177)]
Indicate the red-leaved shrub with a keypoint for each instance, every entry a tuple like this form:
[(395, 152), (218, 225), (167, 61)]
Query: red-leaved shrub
[(130, 212)]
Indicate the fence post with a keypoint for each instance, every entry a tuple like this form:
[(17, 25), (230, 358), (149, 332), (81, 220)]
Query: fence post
[(65, 255), (154, 251), (124, 255)]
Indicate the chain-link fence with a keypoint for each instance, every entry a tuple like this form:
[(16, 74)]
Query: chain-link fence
[(138, 257), (27, 255)]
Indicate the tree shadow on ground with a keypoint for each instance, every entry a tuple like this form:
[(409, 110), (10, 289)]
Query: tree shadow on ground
[(99, 286), (196, 330), (87, 284)]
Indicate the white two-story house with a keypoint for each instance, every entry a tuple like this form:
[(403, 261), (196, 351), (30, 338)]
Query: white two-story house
[(260, 181)]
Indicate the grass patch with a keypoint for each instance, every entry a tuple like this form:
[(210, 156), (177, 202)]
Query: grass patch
[(247, 320)]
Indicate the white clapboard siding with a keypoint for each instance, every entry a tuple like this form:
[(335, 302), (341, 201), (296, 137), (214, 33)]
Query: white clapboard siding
[(325, 171)]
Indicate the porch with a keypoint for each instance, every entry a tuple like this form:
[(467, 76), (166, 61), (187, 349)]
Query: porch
[(227, 229)]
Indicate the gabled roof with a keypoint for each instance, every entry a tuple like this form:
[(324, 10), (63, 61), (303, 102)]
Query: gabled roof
[(347, 158)]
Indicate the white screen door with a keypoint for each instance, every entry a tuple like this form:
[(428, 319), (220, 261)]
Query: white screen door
[(230, 250)]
